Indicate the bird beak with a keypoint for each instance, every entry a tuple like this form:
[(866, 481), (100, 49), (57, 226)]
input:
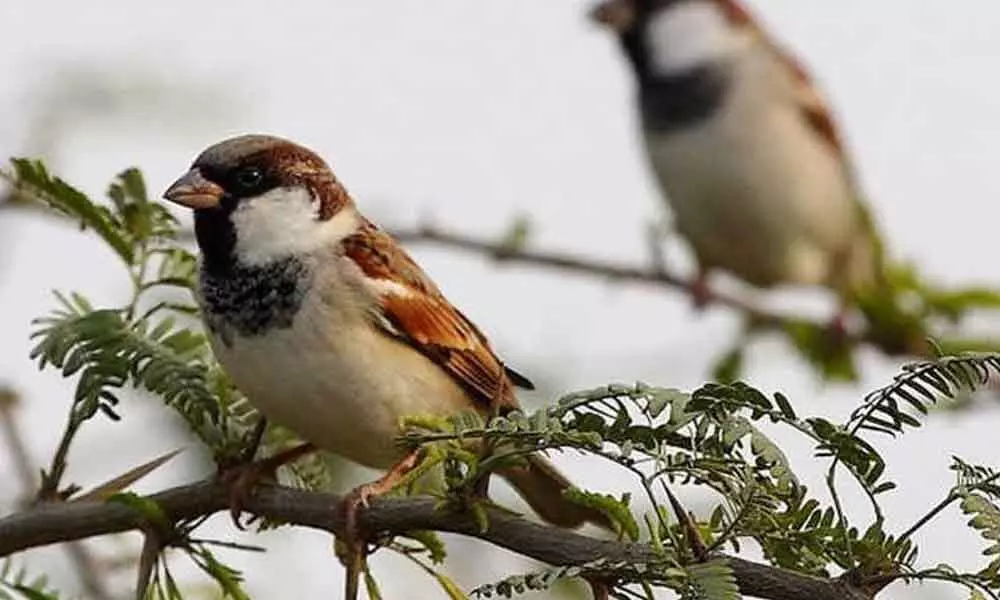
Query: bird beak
[(616, 15), (194, 191)]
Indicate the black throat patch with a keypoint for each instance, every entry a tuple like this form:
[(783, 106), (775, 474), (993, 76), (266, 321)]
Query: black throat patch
[(675, 102), (250, 301)]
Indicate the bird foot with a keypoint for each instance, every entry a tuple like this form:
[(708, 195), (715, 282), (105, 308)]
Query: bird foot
[(701, 294), (359, 497), (241, 479), (837, 327), (355, 540), (352, 503)]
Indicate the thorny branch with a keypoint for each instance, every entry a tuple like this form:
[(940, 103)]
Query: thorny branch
[(61, 522), (84, 563)]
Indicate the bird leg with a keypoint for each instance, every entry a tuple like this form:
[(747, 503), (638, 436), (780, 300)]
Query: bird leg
[(701, 294), (838, 324), (241, 479), (358, 497)]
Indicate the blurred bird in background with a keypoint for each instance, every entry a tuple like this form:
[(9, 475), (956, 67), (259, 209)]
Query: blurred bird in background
[(744, 149)]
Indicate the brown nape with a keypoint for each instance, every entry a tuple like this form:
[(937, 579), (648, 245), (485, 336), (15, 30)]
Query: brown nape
[(297, 165), (332, 197), (734, 12)]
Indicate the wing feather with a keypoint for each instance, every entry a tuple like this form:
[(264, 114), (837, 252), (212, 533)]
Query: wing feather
[(413, 309), (806, 95)]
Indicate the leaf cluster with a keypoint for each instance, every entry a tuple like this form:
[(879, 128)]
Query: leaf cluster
[(716, 438)]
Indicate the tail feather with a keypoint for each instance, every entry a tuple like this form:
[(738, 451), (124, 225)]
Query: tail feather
[(542, 485)]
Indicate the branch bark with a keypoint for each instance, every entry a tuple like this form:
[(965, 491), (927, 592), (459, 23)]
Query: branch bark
[(87, 568), (61, 522)]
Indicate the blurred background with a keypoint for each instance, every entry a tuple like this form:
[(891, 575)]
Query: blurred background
[(470, 115)]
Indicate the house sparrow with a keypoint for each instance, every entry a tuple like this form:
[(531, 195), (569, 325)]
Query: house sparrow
[(744, 148), (328, 326)]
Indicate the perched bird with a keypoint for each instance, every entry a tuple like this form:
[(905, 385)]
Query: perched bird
[(328, 326), (744, 148)]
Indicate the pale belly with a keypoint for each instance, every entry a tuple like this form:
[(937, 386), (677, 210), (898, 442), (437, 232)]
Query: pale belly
[(757, 196), (338, 382)]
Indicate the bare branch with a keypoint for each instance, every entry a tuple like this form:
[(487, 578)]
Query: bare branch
[(84, 563), (655, 274), (61, 522)]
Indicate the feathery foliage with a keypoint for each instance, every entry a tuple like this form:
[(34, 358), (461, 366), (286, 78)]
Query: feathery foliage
[(17, 584), (716, 439)]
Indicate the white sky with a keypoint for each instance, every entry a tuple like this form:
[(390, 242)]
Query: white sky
[(472, 113)]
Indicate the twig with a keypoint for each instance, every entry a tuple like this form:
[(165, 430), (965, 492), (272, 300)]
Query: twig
[(687, 523), (15, 445), (655, 274), (151, 548), (83, 561), (52, 523)]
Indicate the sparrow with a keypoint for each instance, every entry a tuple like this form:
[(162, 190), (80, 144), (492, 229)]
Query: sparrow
[(329, 327), (744, 148)]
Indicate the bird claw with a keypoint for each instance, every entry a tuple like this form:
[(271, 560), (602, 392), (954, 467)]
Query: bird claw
[(701, 294), (357, 499), (838, 325), (352, 555), (240, 481)]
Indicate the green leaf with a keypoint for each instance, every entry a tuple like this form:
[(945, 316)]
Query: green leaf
[(823, 349), (436, 549), (883, 487), (449, 586), (729, 366), (785, 406), (713, 580), (32, 177), (371, 585), (148, 508), (616, 509)]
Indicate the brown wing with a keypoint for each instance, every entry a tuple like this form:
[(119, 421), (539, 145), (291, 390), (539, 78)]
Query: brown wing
[(414, 310), (814, 108)]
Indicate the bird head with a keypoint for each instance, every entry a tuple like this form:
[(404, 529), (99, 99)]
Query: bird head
[(668, 37), (258, 198)]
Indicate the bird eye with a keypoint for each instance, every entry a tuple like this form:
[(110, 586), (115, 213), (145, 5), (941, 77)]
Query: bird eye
[(249, 177)]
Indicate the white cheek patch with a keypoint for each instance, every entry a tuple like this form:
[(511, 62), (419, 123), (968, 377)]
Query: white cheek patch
[(284, 222), (690, 35)]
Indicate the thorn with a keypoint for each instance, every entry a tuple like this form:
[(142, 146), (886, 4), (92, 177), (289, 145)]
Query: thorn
[(688, 524), (125, 480)]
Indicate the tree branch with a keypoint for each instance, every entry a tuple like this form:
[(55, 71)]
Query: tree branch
[(655, 275), (87, 568), (61, 522)]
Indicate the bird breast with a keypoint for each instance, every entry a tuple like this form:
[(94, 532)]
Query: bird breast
[(753, 189), (331, 375)]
